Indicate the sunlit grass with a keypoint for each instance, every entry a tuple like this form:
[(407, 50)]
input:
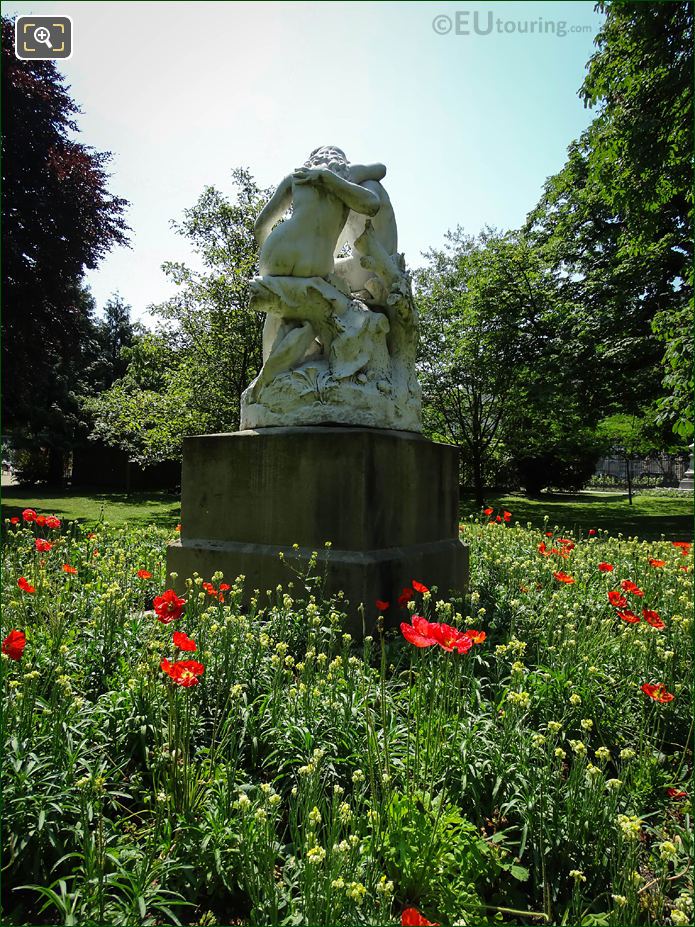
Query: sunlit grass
[(89, 508)]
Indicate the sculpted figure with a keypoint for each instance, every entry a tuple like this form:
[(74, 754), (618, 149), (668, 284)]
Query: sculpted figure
[(340, 334), (360, 279), (321, 194)]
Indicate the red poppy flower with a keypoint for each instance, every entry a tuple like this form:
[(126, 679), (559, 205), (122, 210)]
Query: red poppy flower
[(42, 546), (418, 632), (629, 616), (653, 562), (419, 587), (548, 534), (477, 637), (564, 577), (177, 528), (684, 545), (25, 586), (225, 587), (29, 515), (381, 605), (488, 511), (405, 596), (183, 641), (606, 567), (40, 520), (144, 574), (657, 692), (91, 536), (592, 532), (210, 589), (168, 606), (14, 644), (498, 518), (676, 794), (449, 638), (411, 917), (653, 618), (183, 672), (52, 522), (629, 586), (542, 549), (616, 599), (507, 516), (567, 543), (69, 569)]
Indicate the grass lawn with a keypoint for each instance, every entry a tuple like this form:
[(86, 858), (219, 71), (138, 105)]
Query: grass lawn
[(116, 508), (649, 516)]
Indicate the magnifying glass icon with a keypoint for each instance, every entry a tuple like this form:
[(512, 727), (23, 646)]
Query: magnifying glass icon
[(41, 34)]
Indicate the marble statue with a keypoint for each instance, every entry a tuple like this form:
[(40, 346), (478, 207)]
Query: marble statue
[(340, 333)]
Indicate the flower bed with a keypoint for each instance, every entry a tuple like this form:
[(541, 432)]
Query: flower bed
[(518, 757)]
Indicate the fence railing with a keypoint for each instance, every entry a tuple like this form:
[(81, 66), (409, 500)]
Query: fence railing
[(660, 470)]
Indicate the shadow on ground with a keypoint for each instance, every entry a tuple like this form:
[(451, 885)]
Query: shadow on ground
[(650, 516)]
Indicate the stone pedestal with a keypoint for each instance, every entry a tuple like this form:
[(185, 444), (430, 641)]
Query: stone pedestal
[(386, 500), (687, 481)]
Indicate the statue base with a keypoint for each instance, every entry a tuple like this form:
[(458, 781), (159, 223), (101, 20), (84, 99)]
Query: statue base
[(316, 400), (387, 501)]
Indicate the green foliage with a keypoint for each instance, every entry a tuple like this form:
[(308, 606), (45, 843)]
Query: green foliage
[(188, 376), (617, 220), (146, 412), (39, 448), (309, 780), (630, 435), (434, 854), (509, 371), (58, 219), (114, 334), (471, 344), (556, 454)]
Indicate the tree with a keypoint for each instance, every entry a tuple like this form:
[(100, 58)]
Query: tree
[(500, 353), (187, 378), (115, 333), (58, 218), (147, 412), (630, 437), (618, 218), (55, 421)]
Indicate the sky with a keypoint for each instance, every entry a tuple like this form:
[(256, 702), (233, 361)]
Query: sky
[(469, 120)]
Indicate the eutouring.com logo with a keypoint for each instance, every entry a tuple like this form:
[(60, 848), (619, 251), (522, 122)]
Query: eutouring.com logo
[(477, 22)]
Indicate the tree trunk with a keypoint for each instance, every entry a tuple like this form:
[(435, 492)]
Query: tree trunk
[(478, 486), (56, 467), (628, 473)]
